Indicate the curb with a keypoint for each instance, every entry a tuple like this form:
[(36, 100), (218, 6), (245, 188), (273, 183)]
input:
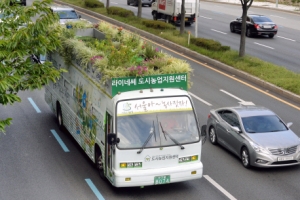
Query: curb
[(216, 64)]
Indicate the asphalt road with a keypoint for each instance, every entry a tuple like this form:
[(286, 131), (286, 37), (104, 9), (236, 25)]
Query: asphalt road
[(34, 165), (213, 23)]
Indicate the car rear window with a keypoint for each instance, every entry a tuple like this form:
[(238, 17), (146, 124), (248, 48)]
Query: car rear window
[(261, 19), (67, 14)]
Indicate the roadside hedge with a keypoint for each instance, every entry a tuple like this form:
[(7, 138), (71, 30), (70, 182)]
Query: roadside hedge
[(93, 4), (209, 44), (158, 24), (119, 11)]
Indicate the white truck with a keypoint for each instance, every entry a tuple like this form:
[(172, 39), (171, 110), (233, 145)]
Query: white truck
[(138, 130), (170, 11)]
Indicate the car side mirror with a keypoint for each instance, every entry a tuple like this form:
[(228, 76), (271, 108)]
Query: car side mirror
[(289, 124), (236, 129), (203, 133), (112, 139)]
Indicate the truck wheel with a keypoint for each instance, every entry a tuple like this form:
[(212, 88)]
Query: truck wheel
[(59, 117), (154, 16), (167, 19)]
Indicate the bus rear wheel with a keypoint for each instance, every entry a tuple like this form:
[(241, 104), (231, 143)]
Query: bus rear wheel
[(99, 162), (59, 117)]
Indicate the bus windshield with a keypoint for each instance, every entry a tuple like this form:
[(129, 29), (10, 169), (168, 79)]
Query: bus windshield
[(156, 123)]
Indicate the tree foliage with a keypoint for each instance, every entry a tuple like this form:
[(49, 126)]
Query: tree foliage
[(21, 37)]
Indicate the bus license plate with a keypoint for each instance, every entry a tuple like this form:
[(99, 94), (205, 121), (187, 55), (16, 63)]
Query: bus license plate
[(161, 179)]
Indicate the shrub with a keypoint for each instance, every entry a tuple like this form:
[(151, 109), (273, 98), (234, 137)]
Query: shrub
[(158, 24), (119, 11), (209, 44), (93, 4)]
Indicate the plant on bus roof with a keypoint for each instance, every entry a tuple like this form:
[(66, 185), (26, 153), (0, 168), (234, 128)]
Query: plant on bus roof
[(79, 24), (120, 54)]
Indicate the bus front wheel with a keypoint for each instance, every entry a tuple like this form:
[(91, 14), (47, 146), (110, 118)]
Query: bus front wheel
[(99, 162)]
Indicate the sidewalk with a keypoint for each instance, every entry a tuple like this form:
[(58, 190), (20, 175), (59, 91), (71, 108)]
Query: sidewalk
[(294, 9)]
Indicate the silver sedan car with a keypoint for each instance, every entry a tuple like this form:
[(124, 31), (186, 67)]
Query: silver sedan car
[(255, 134)]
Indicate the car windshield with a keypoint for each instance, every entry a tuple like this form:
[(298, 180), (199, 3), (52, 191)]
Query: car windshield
[(261, 19), (155, 128), (67, 14), (263, 124)]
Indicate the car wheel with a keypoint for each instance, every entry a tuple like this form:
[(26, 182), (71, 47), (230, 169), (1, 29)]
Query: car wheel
[(245, 157), (99, 162), (59, 117), (232, 28), (136, 3), (271, 35), (213, 136), (188, 23), (128, 2), (248, 32)]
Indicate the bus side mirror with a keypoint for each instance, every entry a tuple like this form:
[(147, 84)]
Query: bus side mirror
[(203, 133), (112, 139)]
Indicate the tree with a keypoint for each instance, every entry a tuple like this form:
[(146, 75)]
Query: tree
[(139, 13), (21, 37), (246, 4), (107, 4), (182, 21)]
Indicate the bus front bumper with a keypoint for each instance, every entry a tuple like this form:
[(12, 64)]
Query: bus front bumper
[(143, 177)]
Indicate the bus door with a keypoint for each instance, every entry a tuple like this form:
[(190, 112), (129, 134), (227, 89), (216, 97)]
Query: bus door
[(109, 148)]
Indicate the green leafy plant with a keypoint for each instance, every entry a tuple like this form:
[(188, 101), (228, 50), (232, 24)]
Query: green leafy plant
[(120, 54)]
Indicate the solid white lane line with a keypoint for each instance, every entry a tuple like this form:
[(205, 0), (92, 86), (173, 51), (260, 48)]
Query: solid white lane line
[(286, 38), (278, 16), (263, 45), (198, 98), (214, 183), (205, 17), (229, 94), (34, 105), (218, 31)]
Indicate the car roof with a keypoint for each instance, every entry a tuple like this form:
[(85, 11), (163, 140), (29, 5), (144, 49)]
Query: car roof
[(257, 15), (248, 111), (58, 8)]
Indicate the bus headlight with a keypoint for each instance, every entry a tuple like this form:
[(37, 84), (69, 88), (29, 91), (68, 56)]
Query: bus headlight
[(131, 165), (188, 159)]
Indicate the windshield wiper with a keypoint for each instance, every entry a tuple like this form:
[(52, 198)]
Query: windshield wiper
[(275, 130), (165, 133), (151, 133)]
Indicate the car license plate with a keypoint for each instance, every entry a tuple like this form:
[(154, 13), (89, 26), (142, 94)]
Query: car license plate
[(267, 26), (162, 179), (285, 158)]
